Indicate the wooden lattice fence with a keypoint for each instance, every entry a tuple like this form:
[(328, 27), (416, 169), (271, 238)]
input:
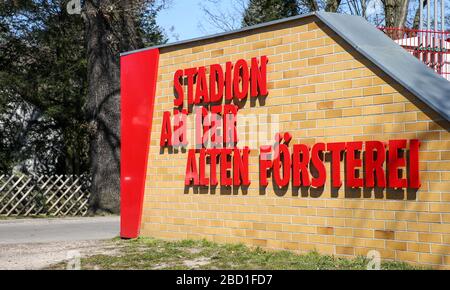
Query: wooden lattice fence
[(56, 195)]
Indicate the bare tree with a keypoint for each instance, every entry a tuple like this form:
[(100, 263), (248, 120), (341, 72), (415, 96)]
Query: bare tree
[(222, 19), (332, 5), (357, 7), (316, 5), (231, 19), (310, 5), (395, 12), (417, 15)]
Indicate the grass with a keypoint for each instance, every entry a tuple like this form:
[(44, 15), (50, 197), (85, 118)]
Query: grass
[(146, 253)]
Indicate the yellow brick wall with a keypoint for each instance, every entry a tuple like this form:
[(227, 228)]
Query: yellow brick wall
[(324, 91)]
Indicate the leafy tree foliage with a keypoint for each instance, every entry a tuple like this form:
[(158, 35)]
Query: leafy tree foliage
[(259, 11), (43, 89), (44, 116)]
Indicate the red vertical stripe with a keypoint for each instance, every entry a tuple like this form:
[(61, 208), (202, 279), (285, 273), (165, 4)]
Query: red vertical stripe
[(138, 78)]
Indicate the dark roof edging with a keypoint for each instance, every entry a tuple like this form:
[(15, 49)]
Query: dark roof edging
[(391, 58)]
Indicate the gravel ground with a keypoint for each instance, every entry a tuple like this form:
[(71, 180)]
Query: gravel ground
[(41, 255), (39, 243)]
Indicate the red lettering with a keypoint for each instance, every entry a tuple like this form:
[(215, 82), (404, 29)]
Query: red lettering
[(213, 153), (216, 83), (265, 163), (336, 149), (216, 121), (241, 79), (300, 163), (238, 80), (201, 92), (191, 169), (353, 162), (179, 95), (414, 178), (190, 74), (282, 160), (166, 131), (180, 128), (316, 152), (200, 129), (229, 125), (258, 86), (203, 180), (240, 168), (228, 81), (375, 165), (225, 165), (395, 162)]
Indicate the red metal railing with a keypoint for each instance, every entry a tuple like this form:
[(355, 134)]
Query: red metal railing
[(431, 47)]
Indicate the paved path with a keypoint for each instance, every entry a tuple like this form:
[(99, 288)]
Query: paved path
[(58, 230), (37, 243)]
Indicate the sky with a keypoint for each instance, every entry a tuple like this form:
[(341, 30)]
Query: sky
[(185, 16)]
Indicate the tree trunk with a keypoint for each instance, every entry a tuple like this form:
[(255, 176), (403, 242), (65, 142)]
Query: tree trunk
[(332, 5), (395, 12), (417, 15), (110, 29), (312, 5)]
